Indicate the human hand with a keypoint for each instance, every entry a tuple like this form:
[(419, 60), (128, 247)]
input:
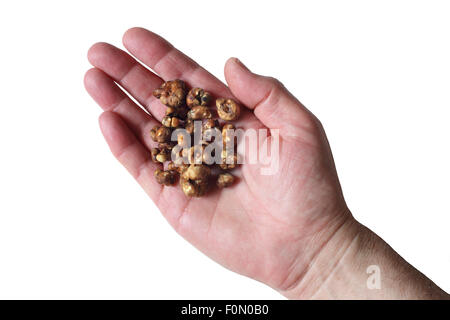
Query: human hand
[(272, 228)]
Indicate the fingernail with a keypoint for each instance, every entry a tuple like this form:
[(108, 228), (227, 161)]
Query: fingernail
[(239, 62)]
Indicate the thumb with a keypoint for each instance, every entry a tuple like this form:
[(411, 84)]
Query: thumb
[(272, 103)]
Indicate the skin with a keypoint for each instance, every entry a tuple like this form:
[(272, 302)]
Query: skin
[(291, 230)]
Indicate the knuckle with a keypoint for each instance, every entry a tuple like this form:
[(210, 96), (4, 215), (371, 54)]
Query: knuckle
[(274, 82)]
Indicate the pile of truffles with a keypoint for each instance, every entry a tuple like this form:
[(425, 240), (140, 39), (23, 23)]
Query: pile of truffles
[(185, 159)]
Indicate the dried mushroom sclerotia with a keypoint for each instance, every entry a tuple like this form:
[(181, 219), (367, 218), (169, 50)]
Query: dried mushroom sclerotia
[(194, 163)]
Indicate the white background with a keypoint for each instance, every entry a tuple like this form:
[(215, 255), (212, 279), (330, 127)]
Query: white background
[(74, 224)]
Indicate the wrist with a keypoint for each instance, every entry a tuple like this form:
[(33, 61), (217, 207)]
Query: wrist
[(357, 264), (321, 269)]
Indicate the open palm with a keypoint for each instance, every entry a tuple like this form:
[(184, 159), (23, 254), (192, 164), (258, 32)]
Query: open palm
[(268, 227)]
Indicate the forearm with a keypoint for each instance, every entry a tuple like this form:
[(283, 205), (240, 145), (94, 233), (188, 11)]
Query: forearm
[(357, 264)]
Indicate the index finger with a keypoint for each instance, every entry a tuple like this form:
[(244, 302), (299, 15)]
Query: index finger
[(170, 63)]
